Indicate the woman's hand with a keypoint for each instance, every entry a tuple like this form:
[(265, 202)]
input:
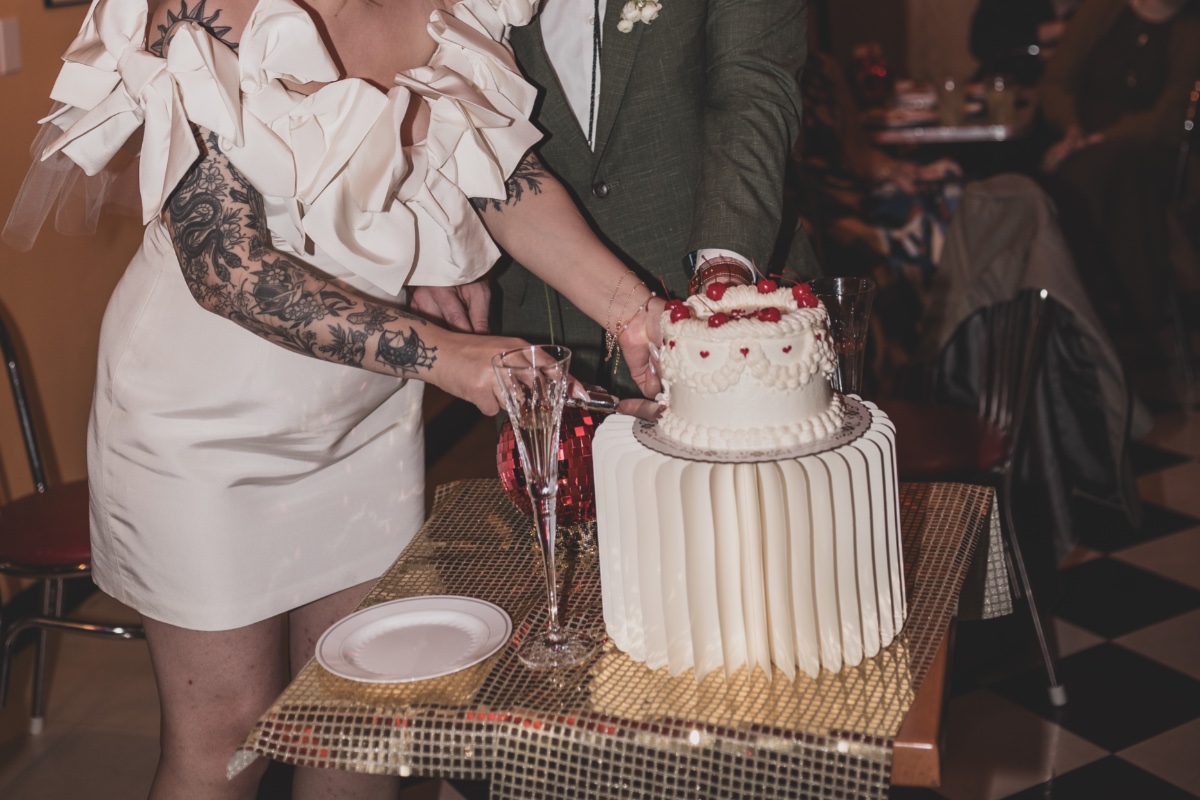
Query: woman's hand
[(902, 174), (941, 170), (1074, 139), (906, 175), (465, 369), (640, 341)]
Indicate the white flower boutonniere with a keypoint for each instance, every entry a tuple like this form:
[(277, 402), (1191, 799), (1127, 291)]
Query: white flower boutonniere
[(638, 11)]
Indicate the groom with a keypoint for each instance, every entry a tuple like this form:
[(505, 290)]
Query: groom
[(673, 132)]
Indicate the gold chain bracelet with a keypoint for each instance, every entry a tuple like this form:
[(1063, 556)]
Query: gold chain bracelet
[(612, 336)]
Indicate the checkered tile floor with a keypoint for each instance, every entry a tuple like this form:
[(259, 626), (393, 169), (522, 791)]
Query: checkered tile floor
[(1127, 624)]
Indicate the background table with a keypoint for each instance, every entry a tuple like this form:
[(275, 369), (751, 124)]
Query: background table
[(975, 127), (613, 728), (965, 133), (980, 147)]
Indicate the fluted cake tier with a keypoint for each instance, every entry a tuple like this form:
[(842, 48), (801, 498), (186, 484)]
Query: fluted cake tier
[(794, 562)]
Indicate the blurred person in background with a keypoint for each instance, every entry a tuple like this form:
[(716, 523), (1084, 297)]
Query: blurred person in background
[(1115, 93), (874, 215), (1016, 37)]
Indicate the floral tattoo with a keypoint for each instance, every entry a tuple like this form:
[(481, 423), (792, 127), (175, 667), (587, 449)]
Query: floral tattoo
[(218, 227), (528, 176)]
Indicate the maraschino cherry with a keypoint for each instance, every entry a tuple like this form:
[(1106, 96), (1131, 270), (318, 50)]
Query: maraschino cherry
[(803, 295), (678, 310), (718, 319), (766, 286), (715, 291)]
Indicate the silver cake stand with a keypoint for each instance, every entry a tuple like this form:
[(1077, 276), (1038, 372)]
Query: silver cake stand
[(855, 424)]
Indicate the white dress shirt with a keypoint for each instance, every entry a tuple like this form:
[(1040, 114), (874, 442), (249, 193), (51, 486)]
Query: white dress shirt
[(567, 31)]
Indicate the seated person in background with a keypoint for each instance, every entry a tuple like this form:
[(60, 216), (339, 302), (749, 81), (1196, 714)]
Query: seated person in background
[(1015, 37), (876, 216), (1115, 92)]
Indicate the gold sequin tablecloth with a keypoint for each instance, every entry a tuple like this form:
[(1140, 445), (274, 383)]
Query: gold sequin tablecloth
[(614, 728)]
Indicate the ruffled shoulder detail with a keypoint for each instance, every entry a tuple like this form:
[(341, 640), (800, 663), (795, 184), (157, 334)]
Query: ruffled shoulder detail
[(387, 210), (110, 86), (502, 13), (401, 213)]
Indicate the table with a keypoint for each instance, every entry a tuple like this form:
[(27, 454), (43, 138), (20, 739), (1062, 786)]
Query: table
[(613, 728), (974, 128), (950, 134)]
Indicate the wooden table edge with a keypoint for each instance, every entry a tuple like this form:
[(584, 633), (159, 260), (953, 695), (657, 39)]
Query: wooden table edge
[(917, 752)]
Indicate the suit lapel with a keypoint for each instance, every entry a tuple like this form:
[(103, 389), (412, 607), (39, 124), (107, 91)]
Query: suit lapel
[(555, 113), (617, 54)]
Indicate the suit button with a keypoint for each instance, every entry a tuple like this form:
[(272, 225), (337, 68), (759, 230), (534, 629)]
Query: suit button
[(600, 189)]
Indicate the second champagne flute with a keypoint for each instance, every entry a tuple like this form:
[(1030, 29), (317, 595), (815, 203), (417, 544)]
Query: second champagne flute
[(847, 301), (534, 382)]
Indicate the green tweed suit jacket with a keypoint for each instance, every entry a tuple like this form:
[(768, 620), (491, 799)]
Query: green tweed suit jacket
[(697, 113)]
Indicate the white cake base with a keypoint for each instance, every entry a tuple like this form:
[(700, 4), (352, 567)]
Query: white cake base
[(795, 562)]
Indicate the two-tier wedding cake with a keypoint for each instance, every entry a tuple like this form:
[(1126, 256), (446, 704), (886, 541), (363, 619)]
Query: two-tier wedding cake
[(757, 522)]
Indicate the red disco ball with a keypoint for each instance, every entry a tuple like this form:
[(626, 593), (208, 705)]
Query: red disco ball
[(576, 491)]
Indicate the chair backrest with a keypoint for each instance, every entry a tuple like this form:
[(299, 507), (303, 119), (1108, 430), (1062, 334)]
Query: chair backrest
[(24, 412), (1178, 187), (1013, 339)]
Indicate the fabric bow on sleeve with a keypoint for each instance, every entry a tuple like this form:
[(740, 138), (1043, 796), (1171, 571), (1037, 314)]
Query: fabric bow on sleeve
[(111, 85), (327, 153)]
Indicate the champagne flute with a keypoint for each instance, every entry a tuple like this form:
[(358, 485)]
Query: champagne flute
[(534, 381), (847, 301)]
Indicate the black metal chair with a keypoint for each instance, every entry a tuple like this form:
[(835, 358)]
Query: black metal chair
[(44, 537), (936, 441)]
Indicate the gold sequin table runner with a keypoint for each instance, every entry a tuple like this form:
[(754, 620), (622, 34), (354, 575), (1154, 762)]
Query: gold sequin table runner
[(614, 728)]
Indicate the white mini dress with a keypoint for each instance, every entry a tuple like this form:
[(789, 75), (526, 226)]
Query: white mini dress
[(233, 480)]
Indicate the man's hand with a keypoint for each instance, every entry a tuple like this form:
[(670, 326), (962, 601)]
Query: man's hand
[(719, 269), (462, 308)]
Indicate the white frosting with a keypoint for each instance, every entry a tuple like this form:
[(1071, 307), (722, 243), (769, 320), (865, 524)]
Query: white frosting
[(794, 564), (748, 383)]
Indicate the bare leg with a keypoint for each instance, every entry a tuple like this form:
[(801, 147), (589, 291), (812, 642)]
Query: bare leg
[(307, 624), (213, 686)]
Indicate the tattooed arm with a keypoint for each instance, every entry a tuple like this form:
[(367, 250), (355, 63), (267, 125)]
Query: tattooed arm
[(218, 228), (539, 225)]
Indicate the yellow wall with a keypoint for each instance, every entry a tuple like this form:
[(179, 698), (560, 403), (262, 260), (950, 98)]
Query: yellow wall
[(938, 33), (54, 295), (854, 22), (925, 40)]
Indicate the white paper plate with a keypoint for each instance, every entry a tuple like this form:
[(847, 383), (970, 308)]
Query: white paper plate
[(413, 639)]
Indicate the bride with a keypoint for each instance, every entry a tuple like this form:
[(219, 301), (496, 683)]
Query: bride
[(255, 452)]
